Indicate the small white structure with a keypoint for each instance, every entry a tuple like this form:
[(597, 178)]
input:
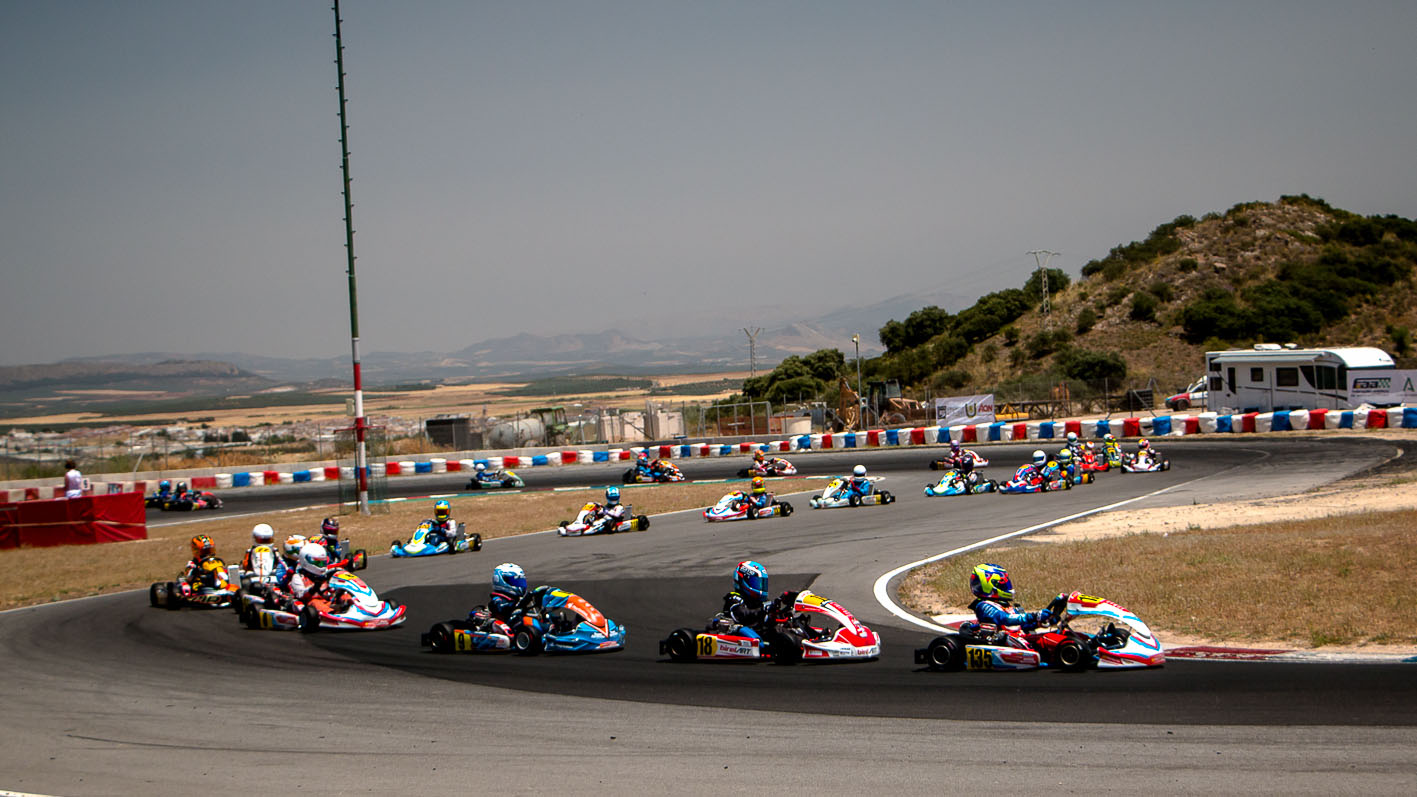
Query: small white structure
[(1273, 377)]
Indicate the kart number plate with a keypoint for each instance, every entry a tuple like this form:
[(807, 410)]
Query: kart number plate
[(979, 658), (462, 641)]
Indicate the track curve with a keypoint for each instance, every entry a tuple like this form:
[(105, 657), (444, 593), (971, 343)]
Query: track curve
[(137, 686)]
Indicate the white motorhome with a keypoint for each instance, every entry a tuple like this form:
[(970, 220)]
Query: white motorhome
[(1273, 377)]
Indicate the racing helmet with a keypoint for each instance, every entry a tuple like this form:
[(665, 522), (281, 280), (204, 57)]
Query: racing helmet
[(859, 471), (330, 527), (262, 534), (1039, 458), (1143, 444), (612, 495), (1065, 456), (164, 485), (1091, 446), (314, 559), (751, 580), (182, 487), (966, 465), (954, 446), (509, 579), (202, 547), (1072, 437), (991, 582), (758, 455), (758, 486), (479, 467), (442, 510), (1109, 438), (643, 456), (292, 545)]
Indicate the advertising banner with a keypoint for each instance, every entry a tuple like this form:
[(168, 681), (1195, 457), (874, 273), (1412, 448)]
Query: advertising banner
[(1382, 386), (959, 410)]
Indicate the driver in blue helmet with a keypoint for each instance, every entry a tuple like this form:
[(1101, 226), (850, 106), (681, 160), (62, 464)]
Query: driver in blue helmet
[(746, 610), (508, 589), (612, 512), (164, 490), (643, 465), (441, 527), (993, 600)]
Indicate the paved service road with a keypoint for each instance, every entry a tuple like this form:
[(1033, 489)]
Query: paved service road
[(106, 696)]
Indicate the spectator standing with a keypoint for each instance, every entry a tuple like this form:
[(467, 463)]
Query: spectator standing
[(73, 480)]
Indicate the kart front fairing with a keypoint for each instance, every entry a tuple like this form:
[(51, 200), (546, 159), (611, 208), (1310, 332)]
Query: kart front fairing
[(1140, 648), (733, 506), (954, 483), (851, 640), (583, 629), (421, 545), (347, 604)]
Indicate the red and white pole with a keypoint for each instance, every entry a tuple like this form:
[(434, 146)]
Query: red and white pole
[(361, 456)]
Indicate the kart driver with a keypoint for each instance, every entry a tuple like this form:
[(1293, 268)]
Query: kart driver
[(643, 466), (261, 534), (205, 569), (1074, 445), (441, 528), (1145, 449), (993, 600), (508, 589), (164, 490), (858, 484), (290, 550), (613, 511), (958, 456), (309, 577), (967, 473), (760, 498), (1066, 467), (482, 474), (1110, 448), (1035, 471), (746, 611)]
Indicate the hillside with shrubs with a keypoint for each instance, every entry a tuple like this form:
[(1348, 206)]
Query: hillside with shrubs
[(1143, 315)]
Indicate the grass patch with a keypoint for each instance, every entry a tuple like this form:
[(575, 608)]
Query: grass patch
[(1320, 582), (31, 576)]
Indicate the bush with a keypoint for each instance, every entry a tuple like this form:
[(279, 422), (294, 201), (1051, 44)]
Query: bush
[(953, 379), (1057, 283), (1162, 291), (1215, 314), (988, 353), (948, 351), (1092, 366), (1042, 344), (1086, 321), (1143, 307), (1401, 339), (1188, 264), (1116, 294), (1010, 335)]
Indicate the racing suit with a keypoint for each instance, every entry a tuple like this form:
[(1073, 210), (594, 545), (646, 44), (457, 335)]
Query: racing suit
[(645, 468), (610, 516), (207, 572), (299, 586), (279, 565), (1001, 615), (861, 485), (742, 615), (438, 532), (759, 501)]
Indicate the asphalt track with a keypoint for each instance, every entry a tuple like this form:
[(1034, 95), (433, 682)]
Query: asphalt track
[(106, 696)]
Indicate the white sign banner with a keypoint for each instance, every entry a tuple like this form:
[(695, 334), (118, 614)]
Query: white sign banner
[(960, 410), (1382, 386)]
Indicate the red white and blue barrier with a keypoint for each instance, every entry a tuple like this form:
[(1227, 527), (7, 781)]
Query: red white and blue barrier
[(997, 432)]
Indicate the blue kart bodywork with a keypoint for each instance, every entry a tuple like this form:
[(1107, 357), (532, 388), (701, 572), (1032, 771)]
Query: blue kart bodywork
[(420, 544), (548, 619), (954, 483)]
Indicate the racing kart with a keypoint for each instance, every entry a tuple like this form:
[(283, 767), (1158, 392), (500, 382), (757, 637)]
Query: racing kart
[(805, 627), (1093, 461), (836, 494), (186, 502), (1142, 462), (1113, 454), (1026, 481), (771, 466), (346, 604), (547, 618), (955, 483), (261, 577), (214, 592), (659, 473), (420, 544), (346, 557), (1120, 641), (587, 524), (736, 506), (947, 463), (488, 480)]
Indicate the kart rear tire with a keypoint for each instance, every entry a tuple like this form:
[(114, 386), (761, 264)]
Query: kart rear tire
[(629, 477), (887, 497), (934, 464), (681, 645), (440, 638), (641, 522), (360, 560), (309, 620), (1071, 656), (173, 602), (743, 474), (476, 544), (786, 508), (526, 643), (945, 653), (157, 595), (853, 500)]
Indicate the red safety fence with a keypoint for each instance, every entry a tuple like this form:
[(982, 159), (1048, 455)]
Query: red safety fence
[(73, 521)]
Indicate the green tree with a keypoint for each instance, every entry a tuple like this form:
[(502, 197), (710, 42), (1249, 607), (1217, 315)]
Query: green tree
[(1087, 319), (1058, 281), (1092, 366), (1143, 307)]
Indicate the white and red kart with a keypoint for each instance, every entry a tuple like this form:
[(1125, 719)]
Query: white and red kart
[(818, 630), (589, 521), (738, 506), (347, 604), (1144, 462)]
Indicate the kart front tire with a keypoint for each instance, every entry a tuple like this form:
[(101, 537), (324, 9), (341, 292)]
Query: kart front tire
[(887, 497), (440, 638), (309, 620), (681, 645), (1071, 656), (945, 653), (853, 500), (526, 643)]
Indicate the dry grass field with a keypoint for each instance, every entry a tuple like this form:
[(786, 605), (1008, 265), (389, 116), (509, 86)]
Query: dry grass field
[(39, 575)]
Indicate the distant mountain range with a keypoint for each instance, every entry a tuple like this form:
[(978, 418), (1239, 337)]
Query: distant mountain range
[(522, 355)]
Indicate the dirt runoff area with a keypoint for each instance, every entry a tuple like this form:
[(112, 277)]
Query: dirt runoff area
[(1388, 489)]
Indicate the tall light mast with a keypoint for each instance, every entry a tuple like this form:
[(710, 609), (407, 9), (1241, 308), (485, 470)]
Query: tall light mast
[(361, 455)]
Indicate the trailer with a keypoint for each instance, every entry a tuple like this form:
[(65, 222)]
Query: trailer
[(1273, 377)]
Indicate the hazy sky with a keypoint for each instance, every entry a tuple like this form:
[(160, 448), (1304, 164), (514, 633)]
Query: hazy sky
[(169, 171)]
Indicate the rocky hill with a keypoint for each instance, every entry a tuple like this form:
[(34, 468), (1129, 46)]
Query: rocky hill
[(1295, 270)]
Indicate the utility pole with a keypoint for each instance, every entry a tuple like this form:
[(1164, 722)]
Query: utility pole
[(752, 350), (361, 457), (1041, 257)]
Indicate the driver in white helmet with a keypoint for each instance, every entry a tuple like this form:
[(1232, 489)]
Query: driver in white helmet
[(858, 483), (309, 577)]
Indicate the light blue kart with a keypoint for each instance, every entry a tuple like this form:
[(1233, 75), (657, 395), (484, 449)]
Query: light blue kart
[(547, 619), (421, 544), (955, 483)]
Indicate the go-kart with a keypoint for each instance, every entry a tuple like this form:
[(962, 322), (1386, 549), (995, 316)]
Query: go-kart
[(346, 557), (1122, 641), (955, 483), (837, 494), (421, 544), (186, 502), (1093, 461), (547, 618), (262, 575), (1026, 480), (947, 463), (659, 473), (586, 522), (1144, 462), (736, 506), (212, 590), (1113, 454), (771, 466), (346, 604), (487, 480), (804, 627)]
